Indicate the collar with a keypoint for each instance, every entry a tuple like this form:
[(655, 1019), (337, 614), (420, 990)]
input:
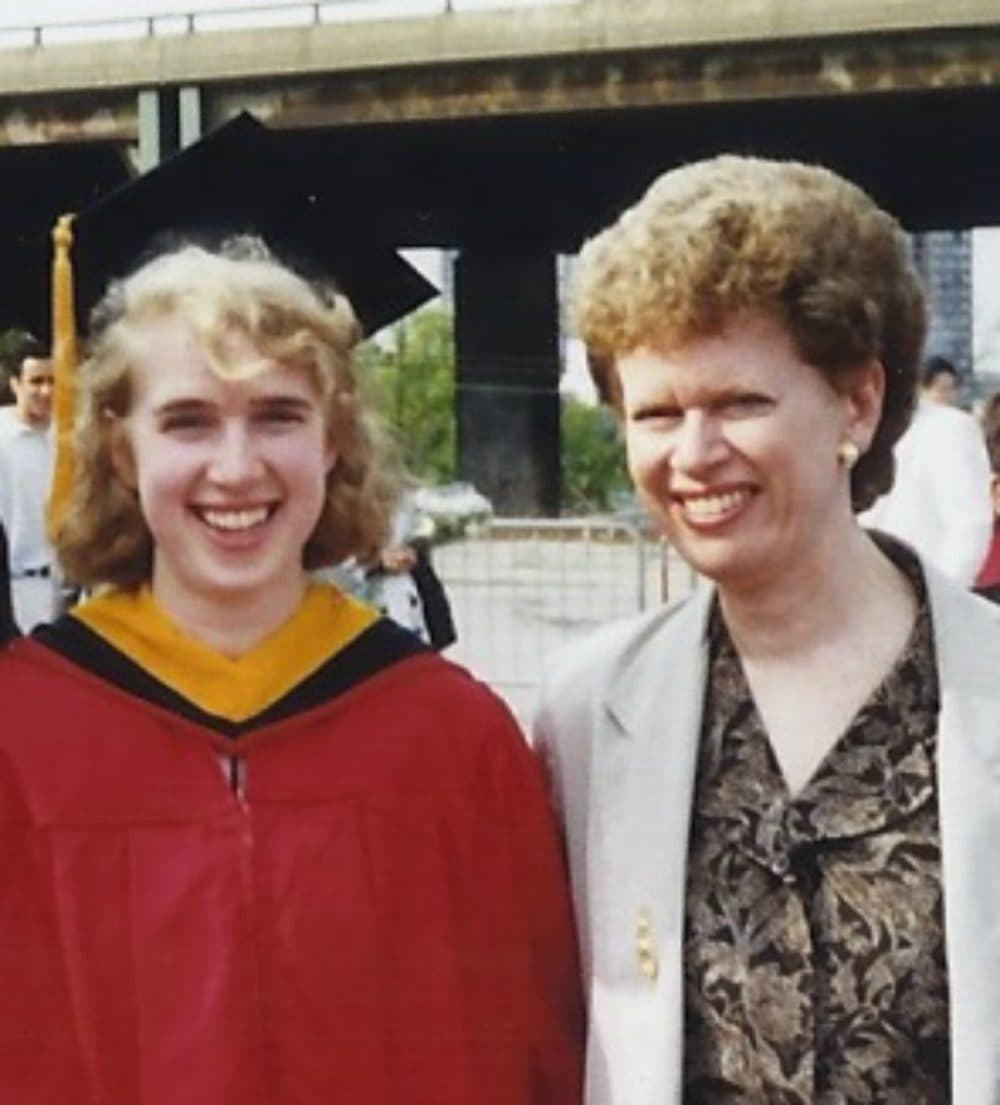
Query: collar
[(234, 688)]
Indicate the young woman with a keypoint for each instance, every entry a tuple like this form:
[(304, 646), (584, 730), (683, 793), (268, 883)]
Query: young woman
[(781, 796), (258, 845)]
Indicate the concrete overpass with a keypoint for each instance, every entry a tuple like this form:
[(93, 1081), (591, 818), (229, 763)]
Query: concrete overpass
[(511, 134)]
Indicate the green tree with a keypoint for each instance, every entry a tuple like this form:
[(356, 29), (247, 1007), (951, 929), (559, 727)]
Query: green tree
[(593, 458), (412, 382)]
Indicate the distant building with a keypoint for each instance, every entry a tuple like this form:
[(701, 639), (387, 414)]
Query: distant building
[(944, 258)]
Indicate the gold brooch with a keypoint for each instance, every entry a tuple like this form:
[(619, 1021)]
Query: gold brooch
[(645, 949)]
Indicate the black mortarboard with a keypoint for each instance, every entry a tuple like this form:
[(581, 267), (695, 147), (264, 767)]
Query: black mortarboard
[(233, 181)]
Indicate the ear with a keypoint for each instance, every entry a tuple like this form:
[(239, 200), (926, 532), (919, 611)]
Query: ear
[(863, 392), (330, 458), (995, 491), (120, 448)]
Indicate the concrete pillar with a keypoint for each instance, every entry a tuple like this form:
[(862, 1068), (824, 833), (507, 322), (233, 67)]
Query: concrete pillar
[(507, 386), (169, 118), (189, 110), (150, 143)]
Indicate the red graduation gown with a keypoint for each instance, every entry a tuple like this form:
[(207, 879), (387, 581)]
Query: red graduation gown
[(377, 917)]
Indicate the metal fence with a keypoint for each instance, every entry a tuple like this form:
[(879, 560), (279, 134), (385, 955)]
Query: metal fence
[(523, 589)]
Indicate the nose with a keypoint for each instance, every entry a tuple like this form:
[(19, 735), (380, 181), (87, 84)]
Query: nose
[(698, 442), (235, 460)]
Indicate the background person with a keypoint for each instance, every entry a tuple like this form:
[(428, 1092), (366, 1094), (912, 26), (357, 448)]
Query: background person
[(259, 844), (779, 806), (25, 474), (402, 582), (406, 583), (939, 501), (939, 381)]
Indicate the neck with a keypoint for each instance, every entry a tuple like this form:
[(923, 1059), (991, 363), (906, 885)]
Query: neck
[(229, 624), (829, 595)]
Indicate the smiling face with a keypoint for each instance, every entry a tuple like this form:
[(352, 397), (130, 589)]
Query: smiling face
[(732, 442), (230, 473)]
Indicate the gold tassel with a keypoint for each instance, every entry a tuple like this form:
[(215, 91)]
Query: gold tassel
[(64, 362)]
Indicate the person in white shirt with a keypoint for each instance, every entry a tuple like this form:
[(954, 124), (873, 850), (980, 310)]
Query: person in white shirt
[(940, 501), (25, 472)]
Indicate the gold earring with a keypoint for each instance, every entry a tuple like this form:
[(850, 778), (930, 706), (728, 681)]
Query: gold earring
[(848, 454)]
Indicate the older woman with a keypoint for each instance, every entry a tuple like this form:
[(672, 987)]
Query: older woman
[(258, 845), (781, 796)]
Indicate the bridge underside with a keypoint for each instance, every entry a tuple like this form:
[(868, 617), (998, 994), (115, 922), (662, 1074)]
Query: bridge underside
[(510, 170), (551, 179)]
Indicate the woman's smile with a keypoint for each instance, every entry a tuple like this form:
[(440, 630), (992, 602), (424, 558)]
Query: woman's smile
[(234, 519), (712, 509)]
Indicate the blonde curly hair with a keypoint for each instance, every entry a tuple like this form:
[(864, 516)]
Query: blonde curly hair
[(240, 288), (732, 237)]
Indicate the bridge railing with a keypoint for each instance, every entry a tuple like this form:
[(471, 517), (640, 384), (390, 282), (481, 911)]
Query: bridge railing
[(161, 18)]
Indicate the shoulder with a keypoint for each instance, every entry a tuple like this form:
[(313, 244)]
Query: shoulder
[(953, 604), (588, 666), (41, 693), (967, 654), (423, 691), (966, 634), (617, 671), (8, 428), (434, 717)]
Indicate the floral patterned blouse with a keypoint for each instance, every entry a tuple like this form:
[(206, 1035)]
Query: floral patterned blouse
[(814, 945)]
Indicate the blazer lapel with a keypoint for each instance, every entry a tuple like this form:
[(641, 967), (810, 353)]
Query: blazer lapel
[(655, 705)]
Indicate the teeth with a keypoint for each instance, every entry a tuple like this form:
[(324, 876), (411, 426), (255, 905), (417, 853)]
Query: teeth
[(235, 519), (707, 507)]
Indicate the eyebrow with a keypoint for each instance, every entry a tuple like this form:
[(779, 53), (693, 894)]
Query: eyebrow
[(191, 405), (181, 406), (704, 397), (283, 402)]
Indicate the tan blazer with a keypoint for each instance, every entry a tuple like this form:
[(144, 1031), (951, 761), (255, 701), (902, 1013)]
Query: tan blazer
[(618, 728)]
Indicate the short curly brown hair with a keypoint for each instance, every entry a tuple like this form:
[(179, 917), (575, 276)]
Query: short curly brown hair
[(104, 538), (736, 236)]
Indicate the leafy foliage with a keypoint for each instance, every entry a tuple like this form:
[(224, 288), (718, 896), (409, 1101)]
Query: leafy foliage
[(412, 383), (594, 473)]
